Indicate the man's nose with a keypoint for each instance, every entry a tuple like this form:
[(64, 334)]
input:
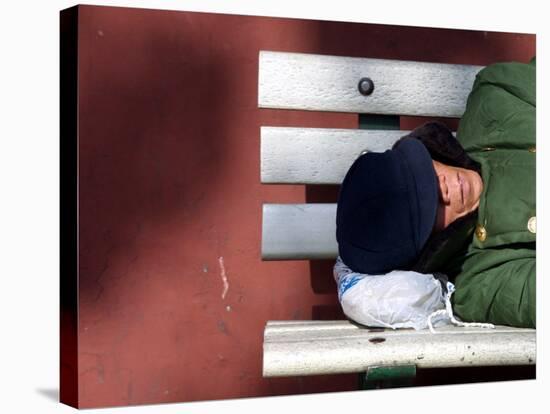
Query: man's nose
[(443, 188)]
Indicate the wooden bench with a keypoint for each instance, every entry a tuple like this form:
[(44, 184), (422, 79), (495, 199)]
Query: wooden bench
[(308, 231)]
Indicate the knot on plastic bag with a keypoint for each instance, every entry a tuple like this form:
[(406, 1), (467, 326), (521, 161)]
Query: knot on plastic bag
[(448, 311)]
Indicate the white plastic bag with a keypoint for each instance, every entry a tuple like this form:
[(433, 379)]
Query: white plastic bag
[(398, 299)]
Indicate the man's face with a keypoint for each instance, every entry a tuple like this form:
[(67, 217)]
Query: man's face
[(459, 193)]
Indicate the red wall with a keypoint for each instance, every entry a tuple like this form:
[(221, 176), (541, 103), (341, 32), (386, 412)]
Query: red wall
[(170, 198)]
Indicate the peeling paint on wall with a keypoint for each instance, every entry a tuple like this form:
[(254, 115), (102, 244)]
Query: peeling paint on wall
[(224, 278)]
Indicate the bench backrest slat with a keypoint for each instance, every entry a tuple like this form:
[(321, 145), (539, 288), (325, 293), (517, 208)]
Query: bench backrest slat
[(299, 231), (316, 155), (330, 83)]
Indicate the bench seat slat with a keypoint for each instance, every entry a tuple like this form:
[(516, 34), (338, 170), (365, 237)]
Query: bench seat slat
[(316, 155), (335, 347), (329, 83)]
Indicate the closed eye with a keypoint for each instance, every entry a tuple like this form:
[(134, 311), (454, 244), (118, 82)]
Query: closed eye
[(461, 187)]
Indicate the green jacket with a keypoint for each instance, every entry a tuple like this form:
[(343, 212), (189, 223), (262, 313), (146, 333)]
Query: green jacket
[(496, 278)]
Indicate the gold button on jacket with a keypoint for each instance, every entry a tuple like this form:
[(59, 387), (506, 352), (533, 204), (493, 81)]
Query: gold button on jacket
[(481, 233), (532, 224)]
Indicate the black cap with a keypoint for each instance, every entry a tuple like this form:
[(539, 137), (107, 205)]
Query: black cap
[(387, 207)]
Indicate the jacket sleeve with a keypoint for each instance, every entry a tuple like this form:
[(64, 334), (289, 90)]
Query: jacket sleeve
[(502, 294)]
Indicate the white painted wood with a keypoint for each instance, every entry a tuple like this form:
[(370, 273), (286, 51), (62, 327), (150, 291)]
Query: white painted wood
[(299, 231), (330, 83), (333, 347), (316, 155)]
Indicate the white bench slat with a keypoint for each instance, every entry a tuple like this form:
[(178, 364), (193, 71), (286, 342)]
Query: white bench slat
[(316, 155), (299, 231), (329, 83), (336, 347)]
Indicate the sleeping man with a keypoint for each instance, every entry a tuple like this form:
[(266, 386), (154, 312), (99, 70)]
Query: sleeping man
[(463, 206)]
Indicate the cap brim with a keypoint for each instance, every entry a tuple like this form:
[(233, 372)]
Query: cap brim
[(424, 179), (368, 262)]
